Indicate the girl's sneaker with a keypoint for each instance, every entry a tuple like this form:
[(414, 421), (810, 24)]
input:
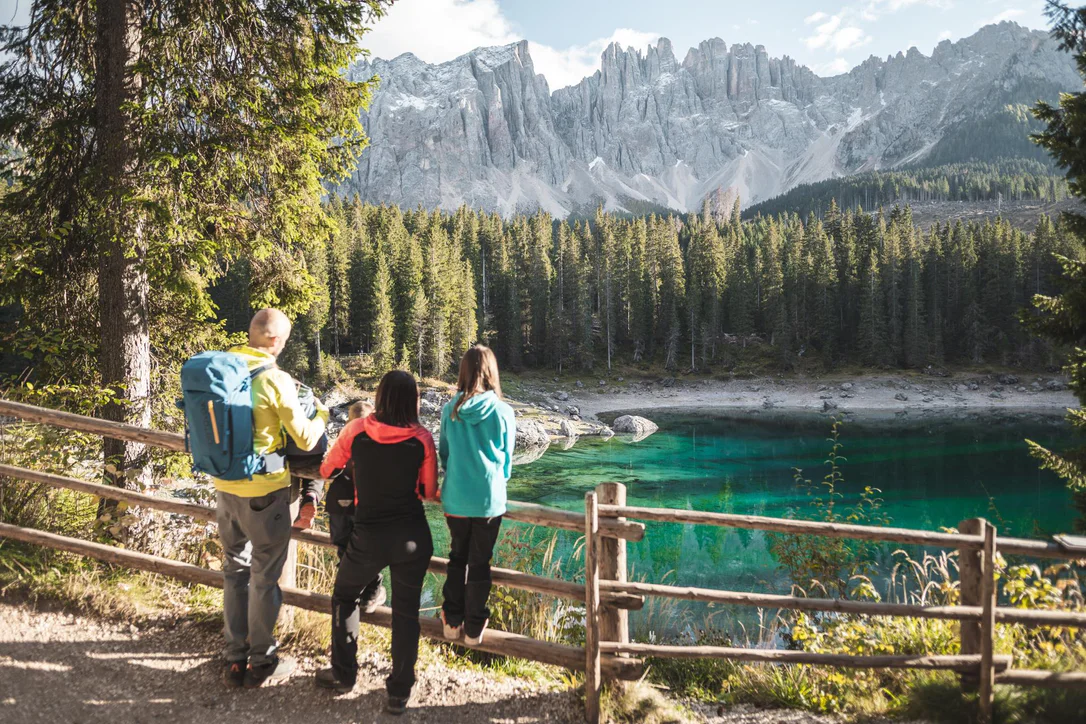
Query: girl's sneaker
[(452, 633), (474, 639)]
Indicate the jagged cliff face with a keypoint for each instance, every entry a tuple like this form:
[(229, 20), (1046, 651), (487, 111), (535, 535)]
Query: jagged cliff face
[(485, 130)]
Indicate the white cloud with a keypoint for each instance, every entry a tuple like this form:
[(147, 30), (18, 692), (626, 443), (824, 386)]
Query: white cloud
[(946, 35), (875, 7), (1006, 15), (815, 18), (440, 30), (831, 36), (837, 66), (567, 66)]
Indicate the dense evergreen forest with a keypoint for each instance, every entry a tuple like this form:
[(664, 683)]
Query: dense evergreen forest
[(414, 288), (1006, 179)]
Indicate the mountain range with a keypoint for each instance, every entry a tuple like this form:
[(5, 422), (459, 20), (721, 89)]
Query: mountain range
[(648, 131)]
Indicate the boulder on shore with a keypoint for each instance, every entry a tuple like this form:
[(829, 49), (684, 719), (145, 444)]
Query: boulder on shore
[(567, 429), (639, 427), (532, 434)]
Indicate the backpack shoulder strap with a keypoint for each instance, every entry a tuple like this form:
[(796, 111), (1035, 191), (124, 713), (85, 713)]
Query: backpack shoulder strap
[(256, 372)]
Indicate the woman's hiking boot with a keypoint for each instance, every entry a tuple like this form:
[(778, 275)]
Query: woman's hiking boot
[(326, 679), (397, 704)]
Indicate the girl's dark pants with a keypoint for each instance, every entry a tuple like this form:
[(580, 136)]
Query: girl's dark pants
[(405, 547), (467, 585)]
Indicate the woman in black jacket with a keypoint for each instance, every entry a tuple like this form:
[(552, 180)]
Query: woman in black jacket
[(394, 466)]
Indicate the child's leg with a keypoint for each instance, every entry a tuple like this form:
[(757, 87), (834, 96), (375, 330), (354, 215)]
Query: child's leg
[(453, 593), (484, 535), (311, 493), (340, 526)]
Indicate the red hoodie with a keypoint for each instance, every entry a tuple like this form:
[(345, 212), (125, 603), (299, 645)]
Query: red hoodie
[(340, 454)]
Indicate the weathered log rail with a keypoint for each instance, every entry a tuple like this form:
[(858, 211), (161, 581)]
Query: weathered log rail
[(977, 545), (608, 524)]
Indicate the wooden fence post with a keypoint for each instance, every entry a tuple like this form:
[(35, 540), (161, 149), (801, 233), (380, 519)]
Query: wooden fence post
[(987, 625), (592, 682), (970, 572), (614, 622), (289, 577)]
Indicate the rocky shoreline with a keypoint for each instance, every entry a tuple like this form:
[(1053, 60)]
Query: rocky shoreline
[(557, 411), (897, 395)]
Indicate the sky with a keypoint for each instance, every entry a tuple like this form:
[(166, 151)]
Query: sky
[(566, 37)]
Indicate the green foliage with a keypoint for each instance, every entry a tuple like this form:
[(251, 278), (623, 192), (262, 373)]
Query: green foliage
[(964, 179), (220, 136), (1062, 317), (841, 566), (701, 292)]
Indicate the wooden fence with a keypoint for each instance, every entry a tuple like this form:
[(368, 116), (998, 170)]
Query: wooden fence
[(608, 653)]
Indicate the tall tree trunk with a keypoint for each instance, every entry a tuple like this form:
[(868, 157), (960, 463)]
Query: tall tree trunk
[(125, 354)]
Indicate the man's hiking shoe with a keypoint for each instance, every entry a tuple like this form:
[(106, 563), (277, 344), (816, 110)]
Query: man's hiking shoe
[(396, 704), (372, 599), (474, 638), (233, 674), (326, 679), (273, 672), (452, 633), (306, 513)]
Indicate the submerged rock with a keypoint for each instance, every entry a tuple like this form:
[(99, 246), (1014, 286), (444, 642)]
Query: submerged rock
[(529, 454)]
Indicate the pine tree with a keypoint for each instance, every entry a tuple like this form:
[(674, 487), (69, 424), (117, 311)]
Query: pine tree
[(383, 347)]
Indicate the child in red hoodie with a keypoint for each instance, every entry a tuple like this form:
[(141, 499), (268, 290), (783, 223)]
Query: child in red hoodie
[(394, 465)]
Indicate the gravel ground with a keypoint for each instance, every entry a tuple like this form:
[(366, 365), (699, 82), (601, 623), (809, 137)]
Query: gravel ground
[(57, 668), (60, 668)]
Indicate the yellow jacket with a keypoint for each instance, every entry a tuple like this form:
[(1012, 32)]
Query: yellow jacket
[(276, 413)]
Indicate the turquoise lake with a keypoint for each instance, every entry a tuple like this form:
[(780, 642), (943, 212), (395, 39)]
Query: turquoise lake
[(932, 473)]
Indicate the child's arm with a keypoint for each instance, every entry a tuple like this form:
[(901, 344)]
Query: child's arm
[(443, 440), (340, 453)]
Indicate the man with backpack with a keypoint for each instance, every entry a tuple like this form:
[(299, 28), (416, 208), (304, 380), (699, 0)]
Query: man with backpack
[(240, 409)]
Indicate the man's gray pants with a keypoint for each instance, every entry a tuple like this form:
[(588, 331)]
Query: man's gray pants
[(255, 534)]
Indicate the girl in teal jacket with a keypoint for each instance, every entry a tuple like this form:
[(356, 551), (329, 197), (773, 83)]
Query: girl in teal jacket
[(478, 433)]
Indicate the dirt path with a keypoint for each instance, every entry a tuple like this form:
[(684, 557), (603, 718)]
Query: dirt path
[(57, 668), (60, 668)]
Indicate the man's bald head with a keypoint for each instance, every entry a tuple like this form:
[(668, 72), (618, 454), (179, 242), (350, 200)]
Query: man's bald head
[(269, 331)]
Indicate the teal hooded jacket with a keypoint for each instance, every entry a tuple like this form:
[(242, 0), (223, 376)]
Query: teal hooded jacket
[(476, 451)]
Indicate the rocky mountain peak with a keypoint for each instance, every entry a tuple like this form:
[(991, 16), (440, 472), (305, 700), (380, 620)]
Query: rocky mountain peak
[(484, 129)]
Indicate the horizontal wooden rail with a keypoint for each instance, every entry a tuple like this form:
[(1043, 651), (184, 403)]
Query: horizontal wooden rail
[(803, 527), (497, 642), (530, 513), (1008, 546), (968, 663), (82, 423), (1025, 617), (500, 576), (794, 603), (1033, 677)]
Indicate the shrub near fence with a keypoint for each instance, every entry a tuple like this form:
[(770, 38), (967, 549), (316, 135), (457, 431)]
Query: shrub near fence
[(608, 653)]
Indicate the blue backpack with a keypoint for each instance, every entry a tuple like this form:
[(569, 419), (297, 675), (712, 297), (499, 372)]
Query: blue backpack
[(217, 397)]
